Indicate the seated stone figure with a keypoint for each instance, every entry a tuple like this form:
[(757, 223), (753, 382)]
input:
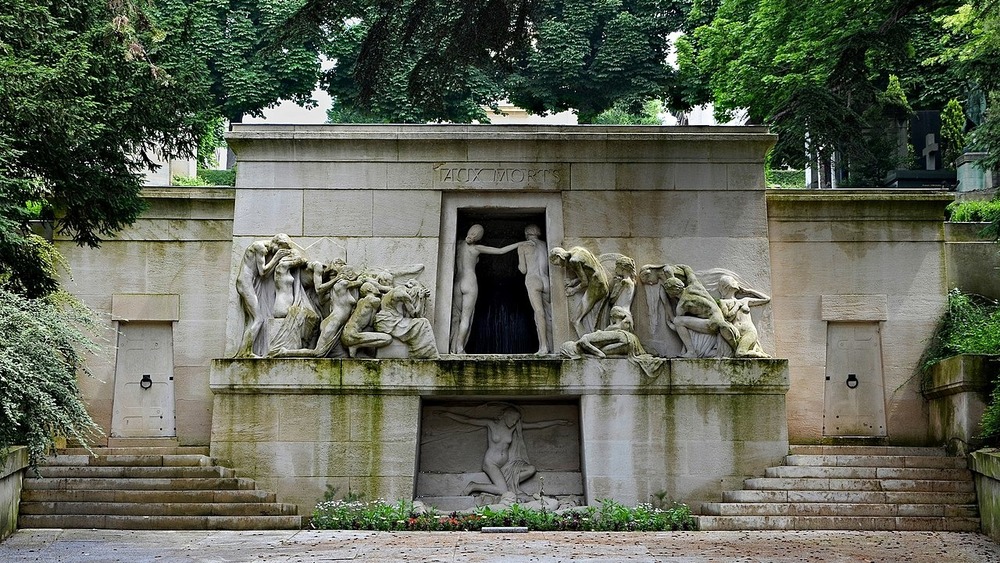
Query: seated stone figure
[(696, 310), (400, 317), (737, 311), (618, 339)]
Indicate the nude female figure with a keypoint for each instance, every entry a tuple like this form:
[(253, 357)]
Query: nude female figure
[(254, 267), (533, 262), (341, 299), (737, 311), (467, 284), (505, 461), (285, 282), (622, 284)]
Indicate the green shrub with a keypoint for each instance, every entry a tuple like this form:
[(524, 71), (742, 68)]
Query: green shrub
[(990, 423), (187, 181), (786, 179), (401, 516), (971, 325), (980, 210), (217, 177), (42, 342)]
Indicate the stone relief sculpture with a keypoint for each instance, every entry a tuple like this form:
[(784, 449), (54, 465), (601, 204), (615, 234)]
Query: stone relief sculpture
[(506, 459), (737, 311), (466, 290), (658, 308), (321, 309), (316, 309), (298, 314), (533, 262), (401, 316), (670, 295), (586, 283), (355, 335), (696, 311), (622, 286), (259, 261), (618, 339)]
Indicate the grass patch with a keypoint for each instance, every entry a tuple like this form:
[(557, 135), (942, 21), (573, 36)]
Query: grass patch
[(608, 516)]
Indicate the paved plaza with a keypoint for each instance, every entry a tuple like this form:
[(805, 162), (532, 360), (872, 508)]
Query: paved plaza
[(675, 547)]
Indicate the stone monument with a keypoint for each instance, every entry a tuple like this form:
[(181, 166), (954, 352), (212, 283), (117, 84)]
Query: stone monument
[(462, 378)]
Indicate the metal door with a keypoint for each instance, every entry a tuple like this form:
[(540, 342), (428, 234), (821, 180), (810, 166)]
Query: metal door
[(854, 396), (144, 381)]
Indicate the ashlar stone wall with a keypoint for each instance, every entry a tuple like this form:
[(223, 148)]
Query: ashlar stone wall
[(170, 267)]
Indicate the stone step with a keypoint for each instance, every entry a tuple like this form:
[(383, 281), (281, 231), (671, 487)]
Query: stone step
[(860, 497), (838, 509), (111, 522), (148, 450), (866, 450), (941, 462), (169, 460), (71, 483), (142, 442), (860, 523), (825, 472), (129, 472), (815, 484), (159, 509), (154, 496)]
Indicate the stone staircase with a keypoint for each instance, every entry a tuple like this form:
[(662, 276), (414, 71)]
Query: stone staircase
[(853, 488), (147, 488)]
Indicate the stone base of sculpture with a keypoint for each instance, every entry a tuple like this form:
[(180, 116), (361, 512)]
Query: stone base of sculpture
[(689, 429)]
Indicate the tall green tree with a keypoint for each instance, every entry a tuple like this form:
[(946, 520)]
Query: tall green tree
[(818, 72), (240, 54), (84, 106), (442, 60), (972, 45)]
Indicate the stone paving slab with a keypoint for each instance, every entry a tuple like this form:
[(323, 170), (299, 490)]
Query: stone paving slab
[(90, 546)]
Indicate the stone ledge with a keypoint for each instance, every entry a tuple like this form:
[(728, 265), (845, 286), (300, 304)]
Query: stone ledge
[(986, 462), (498, 132), (16, 460), (960, 374), (498, 375)]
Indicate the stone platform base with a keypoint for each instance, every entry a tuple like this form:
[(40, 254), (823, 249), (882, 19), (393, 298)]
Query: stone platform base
[(687, 432)]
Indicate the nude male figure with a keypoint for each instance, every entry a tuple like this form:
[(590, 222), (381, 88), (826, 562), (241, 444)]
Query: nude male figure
[(585, 278), (533, 262)]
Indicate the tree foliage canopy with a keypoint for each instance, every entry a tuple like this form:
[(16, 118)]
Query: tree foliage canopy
[(442, 60), (821, 69), (238, 54), (83, 106)]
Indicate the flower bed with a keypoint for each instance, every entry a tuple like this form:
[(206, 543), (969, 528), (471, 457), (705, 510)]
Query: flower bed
[(608, 516)]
